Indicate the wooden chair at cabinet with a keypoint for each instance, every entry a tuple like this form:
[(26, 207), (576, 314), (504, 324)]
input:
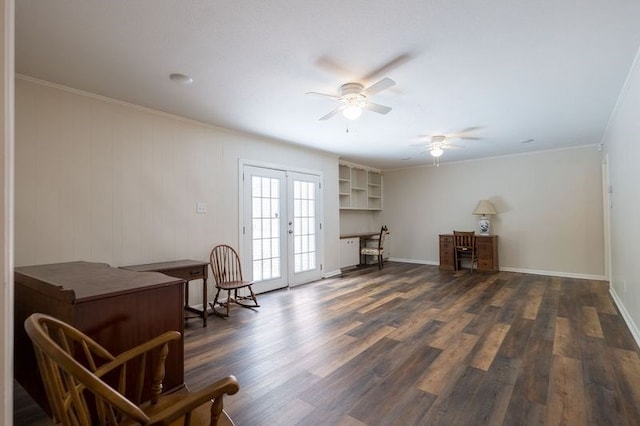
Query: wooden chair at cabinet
[(486, 249), (464, 247), (377, 251), (74, 368)]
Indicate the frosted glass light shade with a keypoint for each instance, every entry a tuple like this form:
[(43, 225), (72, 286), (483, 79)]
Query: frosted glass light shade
[(436, 152), (352, 112)]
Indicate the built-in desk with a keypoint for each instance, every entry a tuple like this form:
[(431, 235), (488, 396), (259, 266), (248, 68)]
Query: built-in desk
[(117, 308), (350, 245), (486, 248)]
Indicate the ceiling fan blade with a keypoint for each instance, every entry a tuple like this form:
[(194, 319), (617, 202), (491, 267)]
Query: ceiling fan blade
[(332, 113), (380, 109), (451, 147), (379, 86), (383, 69), (469, 129), (462, 134), (324, 95), (332, 66)]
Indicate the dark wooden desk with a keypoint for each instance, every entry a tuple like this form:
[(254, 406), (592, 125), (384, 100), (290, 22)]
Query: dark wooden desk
[(119, 309), (188, 270), (486, 246)]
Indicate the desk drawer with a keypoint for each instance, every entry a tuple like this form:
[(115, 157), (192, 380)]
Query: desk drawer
[(446, 253), (187, 274)]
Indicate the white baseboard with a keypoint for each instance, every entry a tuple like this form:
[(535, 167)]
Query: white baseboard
[(625, 315), (555, 273), (418, 261), (332, 274), (520, 270)]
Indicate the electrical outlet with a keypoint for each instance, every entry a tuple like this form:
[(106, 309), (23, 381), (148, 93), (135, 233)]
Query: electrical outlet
[(201, 208)]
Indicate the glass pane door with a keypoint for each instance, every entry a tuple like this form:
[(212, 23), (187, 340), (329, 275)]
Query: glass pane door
[(281, 227), (265, 227), (304, 227)]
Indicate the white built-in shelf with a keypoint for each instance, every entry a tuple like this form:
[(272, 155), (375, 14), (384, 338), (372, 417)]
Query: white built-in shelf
[(360, 187)]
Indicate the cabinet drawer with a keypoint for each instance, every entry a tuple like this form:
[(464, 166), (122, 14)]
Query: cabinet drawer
[(192, 273), (485, 264)]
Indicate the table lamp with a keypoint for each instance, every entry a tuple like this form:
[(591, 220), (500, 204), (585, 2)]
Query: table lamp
[(484, 208)]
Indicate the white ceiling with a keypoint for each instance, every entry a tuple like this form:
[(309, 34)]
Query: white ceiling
[(550, 70)]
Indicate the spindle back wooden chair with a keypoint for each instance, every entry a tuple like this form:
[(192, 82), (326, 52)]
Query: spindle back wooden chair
[(464, 244), (377, 251), (227, 273), (75, 370)]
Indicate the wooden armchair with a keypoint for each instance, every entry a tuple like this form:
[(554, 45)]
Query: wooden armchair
[(75, 370)]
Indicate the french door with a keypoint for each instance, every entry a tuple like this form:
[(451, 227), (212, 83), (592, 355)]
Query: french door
[(281, 227)]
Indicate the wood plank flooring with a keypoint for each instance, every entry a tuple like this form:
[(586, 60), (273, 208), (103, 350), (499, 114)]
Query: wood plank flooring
[(413, 345)]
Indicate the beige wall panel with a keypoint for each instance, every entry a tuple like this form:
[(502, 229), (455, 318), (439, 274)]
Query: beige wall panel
[(549, 209), (622, 143), (108, 182)]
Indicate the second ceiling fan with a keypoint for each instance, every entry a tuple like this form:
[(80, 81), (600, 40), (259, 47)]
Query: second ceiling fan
[(355, 98)]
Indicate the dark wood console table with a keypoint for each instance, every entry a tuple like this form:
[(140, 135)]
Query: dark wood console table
[(486, 246), (188, 270), (119, 309)]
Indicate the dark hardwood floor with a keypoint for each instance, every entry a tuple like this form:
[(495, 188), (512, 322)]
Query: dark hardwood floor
[(412, 345)]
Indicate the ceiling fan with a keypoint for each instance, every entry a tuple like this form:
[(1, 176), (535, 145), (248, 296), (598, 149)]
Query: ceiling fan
[(439, 143), (355, 98)]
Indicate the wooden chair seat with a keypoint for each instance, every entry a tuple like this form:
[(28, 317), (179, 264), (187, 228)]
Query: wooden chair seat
[(199, 416)]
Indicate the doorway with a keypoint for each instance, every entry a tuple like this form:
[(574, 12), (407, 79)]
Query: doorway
[(281, 226)]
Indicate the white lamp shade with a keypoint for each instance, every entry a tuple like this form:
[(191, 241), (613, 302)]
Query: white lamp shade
[(484, 208)]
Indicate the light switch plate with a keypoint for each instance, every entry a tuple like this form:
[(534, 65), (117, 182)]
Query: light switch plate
[(201, 208)]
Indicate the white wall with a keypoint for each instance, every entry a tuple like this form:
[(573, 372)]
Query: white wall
[(549, 208), (100, 180), (6, 210), (622, 143), (358, 221)]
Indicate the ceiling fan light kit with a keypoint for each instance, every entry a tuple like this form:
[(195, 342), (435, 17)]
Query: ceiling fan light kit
[(436, 151), (355, 98)]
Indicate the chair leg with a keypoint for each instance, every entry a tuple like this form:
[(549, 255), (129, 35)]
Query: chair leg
[(228, 301), (379, 261), (215, 301), (251, 296)]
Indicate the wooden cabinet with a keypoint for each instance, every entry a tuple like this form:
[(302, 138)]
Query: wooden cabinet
[(349, 252), (359, 187), (188, 270), (486, 246), (447, 258), (119, 309)]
